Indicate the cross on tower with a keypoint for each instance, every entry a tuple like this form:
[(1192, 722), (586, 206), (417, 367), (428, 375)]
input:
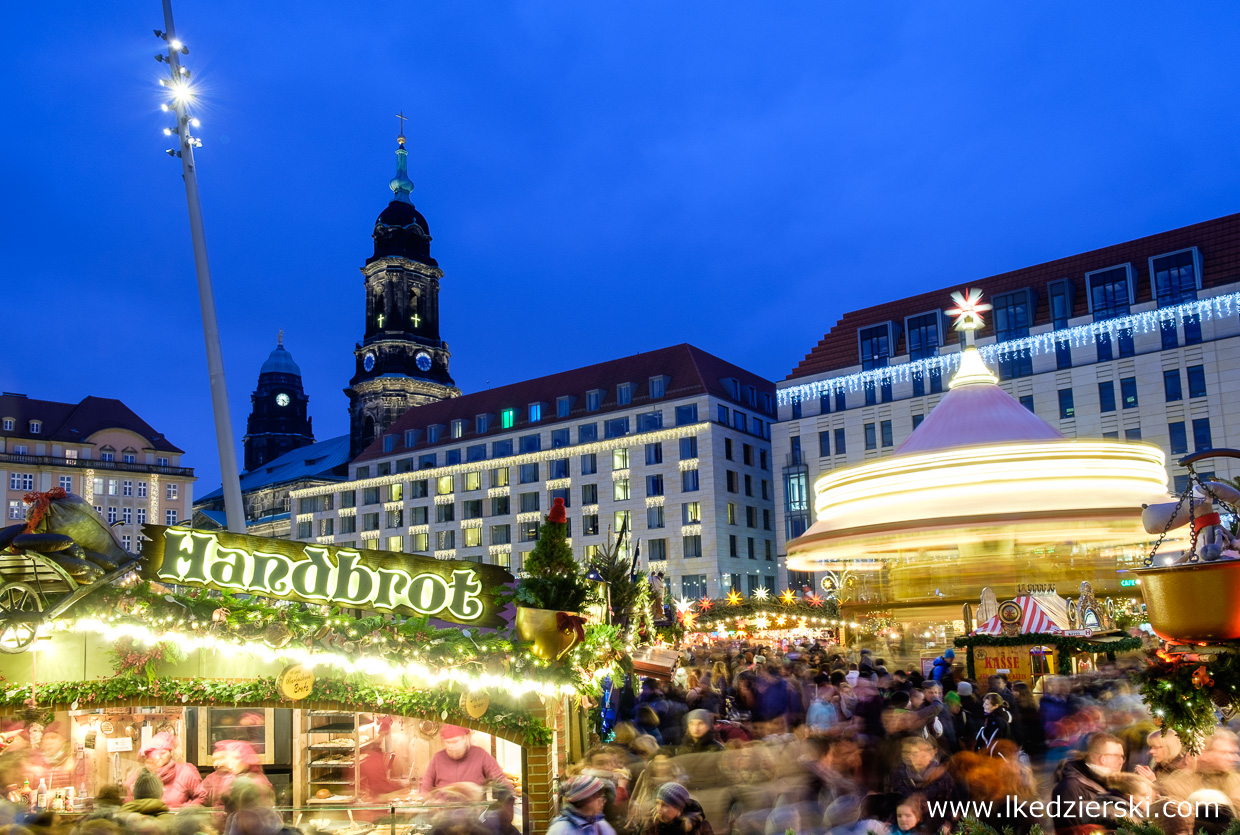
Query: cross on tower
[(403, 119), (381, 318), (416, 319)]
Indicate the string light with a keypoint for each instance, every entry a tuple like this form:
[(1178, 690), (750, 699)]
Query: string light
[(1028, 346)]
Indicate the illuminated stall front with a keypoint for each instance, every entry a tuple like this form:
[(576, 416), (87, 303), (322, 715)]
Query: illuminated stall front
[(982, 494)]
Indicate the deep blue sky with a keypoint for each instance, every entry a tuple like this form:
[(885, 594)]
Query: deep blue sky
[(599, 179)]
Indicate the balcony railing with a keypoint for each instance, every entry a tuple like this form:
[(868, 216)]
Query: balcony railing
[(93, 464)]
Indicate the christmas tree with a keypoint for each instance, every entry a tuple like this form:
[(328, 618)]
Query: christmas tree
[(552, 577)]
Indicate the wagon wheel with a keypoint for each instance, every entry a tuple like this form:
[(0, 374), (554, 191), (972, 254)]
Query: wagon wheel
[(20, 616)]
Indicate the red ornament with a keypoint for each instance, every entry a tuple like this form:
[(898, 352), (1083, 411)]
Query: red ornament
[(706, 603), (814, 600), (557, 516)]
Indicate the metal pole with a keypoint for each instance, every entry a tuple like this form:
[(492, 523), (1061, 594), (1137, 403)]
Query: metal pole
[(233, 508)]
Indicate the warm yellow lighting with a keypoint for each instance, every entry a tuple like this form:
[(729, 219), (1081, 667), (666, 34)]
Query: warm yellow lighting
[(972, 370)]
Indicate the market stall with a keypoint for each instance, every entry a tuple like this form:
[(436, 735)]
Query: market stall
[(343, 678)]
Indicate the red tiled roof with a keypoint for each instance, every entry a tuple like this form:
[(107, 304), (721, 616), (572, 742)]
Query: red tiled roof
[(1218, 241), (691, 371), (74, 423)]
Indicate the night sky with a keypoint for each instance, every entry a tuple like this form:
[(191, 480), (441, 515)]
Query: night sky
[(599, 179)]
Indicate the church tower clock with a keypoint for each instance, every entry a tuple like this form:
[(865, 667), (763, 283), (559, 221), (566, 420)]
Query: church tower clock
[(278, 422), (401, 362)]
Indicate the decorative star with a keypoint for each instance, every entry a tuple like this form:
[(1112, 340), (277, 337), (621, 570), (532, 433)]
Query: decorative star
[(781, 620), (789, 597), (814, 600), (740, 633), (705, 603), (969, 309), (687, 618), (761, 622), (684, 605), (734, 598), (760, 593)]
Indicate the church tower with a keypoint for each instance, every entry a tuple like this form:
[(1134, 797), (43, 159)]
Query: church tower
[(278, 421), (401, 362)]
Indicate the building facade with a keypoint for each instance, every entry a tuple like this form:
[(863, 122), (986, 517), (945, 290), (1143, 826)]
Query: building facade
[(671, 446), (279, 419), (98, 449), (401, 361), (1136, 341)]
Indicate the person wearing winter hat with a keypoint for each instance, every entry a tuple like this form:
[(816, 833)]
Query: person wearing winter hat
[(676, 813), (461, 762), (232, 758), (148, 792), (182, 783), (942, 670), (581, 808), (699, 733)]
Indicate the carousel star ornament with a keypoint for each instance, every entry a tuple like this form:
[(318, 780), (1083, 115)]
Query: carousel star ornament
[(788, 597), (968, 311), (760, 593), (734, 598), (684, 605), (814, 600), (705, 603), (761, 622)]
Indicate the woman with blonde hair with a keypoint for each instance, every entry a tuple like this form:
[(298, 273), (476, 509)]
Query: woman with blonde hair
[(1166, 755)]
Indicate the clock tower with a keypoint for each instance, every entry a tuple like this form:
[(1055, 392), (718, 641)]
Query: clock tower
[(401, 362), (278, 421)]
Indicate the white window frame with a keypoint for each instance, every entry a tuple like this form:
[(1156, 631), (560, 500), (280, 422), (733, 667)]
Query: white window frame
[(594, 400), (141, 489), (940, 319), (170, 516), (1196, 268), (892, 340), (458, 428), (36, 427), (535, 413), (142, 516), (660, 382), (9, 423), (1089, 285), (624, 394), (66, 483)]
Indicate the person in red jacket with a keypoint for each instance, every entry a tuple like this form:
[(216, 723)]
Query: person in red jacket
[(461, 762), (182, 785), (233, 758)]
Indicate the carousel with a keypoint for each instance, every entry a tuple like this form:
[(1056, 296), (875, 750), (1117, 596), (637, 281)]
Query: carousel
[(982, 494)]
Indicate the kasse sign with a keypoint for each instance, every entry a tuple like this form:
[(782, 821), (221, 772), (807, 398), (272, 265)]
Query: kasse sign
[(382, 581)]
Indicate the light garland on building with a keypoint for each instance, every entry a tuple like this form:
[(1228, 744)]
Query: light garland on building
[(559, 484), (1077, 337)]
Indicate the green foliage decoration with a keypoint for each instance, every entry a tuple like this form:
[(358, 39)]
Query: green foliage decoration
[(552, 579), (1184, 697)]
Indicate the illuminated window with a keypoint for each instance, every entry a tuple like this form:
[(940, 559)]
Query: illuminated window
[(535, 412), (691, 513), (396, 543), (620, 490), (620, 458), (473, 481), (457, 428), (1066, 408), (1128, 390), (420, 543), (507, 418), (444, 485), (499, 477), (472, 537)]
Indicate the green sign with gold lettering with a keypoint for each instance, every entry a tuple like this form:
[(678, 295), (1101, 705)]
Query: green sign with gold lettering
[(381, 581)]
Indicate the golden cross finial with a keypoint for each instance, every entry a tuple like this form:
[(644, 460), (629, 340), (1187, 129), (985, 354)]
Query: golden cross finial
[(403, 118)]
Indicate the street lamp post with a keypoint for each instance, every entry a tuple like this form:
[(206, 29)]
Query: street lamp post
[(179, 85)]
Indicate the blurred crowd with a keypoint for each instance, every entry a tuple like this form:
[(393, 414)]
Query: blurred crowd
[(815, 739)]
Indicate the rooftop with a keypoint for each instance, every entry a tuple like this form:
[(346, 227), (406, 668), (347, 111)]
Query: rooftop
[(324, 460), (75, 422)]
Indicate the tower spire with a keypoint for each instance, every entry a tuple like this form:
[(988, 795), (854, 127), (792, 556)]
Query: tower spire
[(401, 185)]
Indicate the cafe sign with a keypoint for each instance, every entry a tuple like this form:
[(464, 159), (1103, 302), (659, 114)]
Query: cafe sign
[(381, 581)]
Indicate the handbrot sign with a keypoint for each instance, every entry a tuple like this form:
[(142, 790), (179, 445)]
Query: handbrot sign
[(382, 581)]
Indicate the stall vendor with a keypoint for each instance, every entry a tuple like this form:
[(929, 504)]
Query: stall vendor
[(232, 758), (182, 785), (374, 782), (461, 762)]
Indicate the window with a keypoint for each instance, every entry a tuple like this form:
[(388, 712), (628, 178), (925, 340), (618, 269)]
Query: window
[(529, 473), (471, 537), (1062, 299), (620, 490), (770, 553), (113, 487), (476, 452), (1132, 434), (417, 515), (923, 343), (420, 543), (21, 449), (445, 513), (111, 515), (1013, 314), (654, 517), (917, 419), (594, 400), (107, 456), (499, 477), (751, 516), (732, 550), (691, 513), (305, 529), (840, 448), (432, 436), (8, 427), (1066, 409), (327, 527), (884, 428), (796, 410), (654, 485), (501, 449), (747, 455), (559, 438), (1201, 435), (425, 462), (748, 485), (21, 481), (445, 540), (1175, 278), (658, 550), (127, 489), (622, 520), (688, 448), (557, 468), (500, 506), (170, 517), (689, 481), (589, 463), (692, 546), (394, 518), (1128, 390), (501, 534), (1196, 381), (530, 443), (389, 443), (794, 450), (348, 524), (1171, 385), (824, 444), (1110, 295), (616, 427), (481, 423), (1179, 438), (171, 491), (731, 514), (472, 509), (693, 586), (128, 457), (35, 427), (766, 519), (1106, 395), (749, 549), (370, 495), (507, 418), (587, 433), (417, 490), (658, 387), (732, 481), (66, 483), (686, 415), (620, 458), (127, 515), (654, 453), (650, 421), (875, 345), (624, 394), (841, 400), (563, 406), (589, 494), (589, 524), (535, 412), (871, 437), (444, 485), (528, 502)]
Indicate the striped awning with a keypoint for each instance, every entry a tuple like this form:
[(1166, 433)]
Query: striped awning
[(1039, 615)]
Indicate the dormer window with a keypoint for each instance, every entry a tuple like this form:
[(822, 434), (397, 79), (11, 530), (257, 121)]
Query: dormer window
[(733, 387), (389, 443), (594, 400), (507, 418), (751, 395), (624, 394), (411, 438), (482, 423), (563, 406), (36, 426), (433, 433), (658, 387), (768, 403), (9, 423), (458, 428), (535, 412)]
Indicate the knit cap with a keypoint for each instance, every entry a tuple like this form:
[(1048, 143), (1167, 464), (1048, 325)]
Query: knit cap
[(964, 688), (580, 788), (702, 716), (952, 698), (673, 794)]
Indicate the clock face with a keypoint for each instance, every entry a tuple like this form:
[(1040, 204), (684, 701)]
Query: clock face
[(368, 362), (281, 399), (423, 360)]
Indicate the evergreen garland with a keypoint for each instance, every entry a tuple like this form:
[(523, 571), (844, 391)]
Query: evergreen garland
[(1185, 690), (1065, 644), (552, 579)]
